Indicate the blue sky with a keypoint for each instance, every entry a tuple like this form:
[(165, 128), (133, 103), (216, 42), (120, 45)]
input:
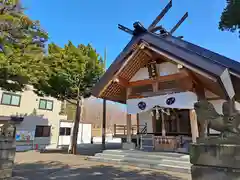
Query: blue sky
[(95, 22)]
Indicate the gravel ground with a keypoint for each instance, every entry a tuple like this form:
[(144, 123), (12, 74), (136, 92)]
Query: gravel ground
[(36, 166)]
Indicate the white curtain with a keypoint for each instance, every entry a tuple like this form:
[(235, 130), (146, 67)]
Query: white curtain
[(183, 100)]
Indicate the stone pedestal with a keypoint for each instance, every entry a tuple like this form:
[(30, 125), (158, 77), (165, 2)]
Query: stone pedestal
[(7, 155), (7, 151), (215, 159), (214, 173), (129, 146)]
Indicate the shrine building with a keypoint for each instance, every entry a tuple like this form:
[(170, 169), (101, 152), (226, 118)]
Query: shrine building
[(159, 78)]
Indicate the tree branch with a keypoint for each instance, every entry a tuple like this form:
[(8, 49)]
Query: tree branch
[(11, 29)]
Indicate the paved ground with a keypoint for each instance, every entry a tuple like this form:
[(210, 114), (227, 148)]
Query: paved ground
[(36, 166)]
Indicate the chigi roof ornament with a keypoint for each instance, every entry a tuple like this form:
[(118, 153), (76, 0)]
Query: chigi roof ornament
[(153, 28)]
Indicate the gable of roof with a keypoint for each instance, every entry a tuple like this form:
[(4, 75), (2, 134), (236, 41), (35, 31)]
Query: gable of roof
[(192, 55)]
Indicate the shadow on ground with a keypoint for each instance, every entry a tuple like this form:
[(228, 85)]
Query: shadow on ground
[(57, 170), (86, 149)]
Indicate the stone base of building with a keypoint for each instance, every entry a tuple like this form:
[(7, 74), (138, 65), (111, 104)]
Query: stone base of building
[(214, 173), (215, 159), (129, 146), (5, 174), (212, 152)]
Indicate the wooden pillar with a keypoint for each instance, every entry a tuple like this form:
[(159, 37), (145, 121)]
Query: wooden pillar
[(194, 125), (154, 119), (104, 124), (178, 124), (138, 123), (138, 131), (154, 123), (104, 115), (163, 125), (199, 89), (129, 128), (232, 107), (129, 123)]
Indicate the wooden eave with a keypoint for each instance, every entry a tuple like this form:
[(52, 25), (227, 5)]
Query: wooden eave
[(115, 66), (205, 70)]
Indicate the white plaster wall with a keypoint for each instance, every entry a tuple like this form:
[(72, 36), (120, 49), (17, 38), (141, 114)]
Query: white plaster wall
[(167, 68), (218, 105), (29, 124), (146, 117), (29, 102), (84, 134), (209, 94), (140, 75), (163, 69)]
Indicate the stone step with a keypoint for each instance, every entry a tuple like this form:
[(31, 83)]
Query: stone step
[(147, 148), (146, 160), (153, 160), (174, 154), (148, 155), (141, 163), (147, 144)]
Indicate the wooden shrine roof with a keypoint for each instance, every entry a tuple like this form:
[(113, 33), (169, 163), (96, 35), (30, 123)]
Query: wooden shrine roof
[(141, 49)]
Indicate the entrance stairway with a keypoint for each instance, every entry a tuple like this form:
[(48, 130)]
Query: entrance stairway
[(153, 160), (146, 142)]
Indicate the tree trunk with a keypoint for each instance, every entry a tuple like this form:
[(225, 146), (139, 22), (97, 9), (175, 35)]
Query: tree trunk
[(73, 143)]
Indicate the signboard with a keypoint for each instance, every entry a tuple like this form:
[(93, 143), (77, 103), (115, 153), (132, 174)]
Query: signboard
[(25, 135)]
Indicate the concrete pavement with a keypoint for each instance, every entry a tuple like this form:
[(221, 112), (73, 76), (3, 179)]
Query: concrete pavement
[(36, 166)]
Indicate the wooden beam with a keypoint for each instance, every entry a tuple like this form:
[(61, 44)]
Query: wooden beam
[(155, 87), (199, 82), (213, 98), (172, 77), (199, 90), (198, 86), (148, 52), (135, 97), (186, 84), (195, 80), (121, 81)]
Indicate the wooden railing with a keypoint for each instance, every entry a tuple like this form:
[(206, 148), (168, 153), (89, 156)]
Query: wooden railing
[(136, 129)]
